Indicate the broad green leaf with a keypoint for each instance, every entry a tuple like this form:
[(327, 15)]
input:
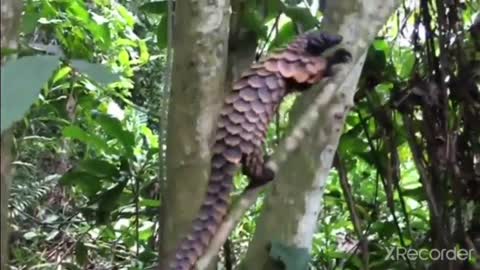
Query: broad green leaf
[(97, 72), (88, 183), (150, 203), (292, 257), (144, 55), (60, 74), (157, 7), (30, 235), (162, 32), (81, 253), (75, 132), (99, 168), (126, 15), (253, 20), (285, 35), (108, 199), (273, 9), (405, 63), (19, 93), (113, 127), (301, 15)]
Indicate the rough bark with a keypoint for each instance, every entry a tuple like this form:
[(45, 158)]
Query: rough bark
[(10, 20), (293, 202), (198, 75)]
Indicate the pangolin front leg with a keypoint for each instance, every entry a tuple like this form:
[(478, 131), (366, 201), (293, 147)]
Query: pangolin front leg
[(254, 166)]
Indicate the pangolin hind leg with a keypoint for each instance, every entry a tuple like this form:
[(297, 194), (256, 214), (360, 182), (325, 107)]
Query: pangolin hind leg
[(254, 167)]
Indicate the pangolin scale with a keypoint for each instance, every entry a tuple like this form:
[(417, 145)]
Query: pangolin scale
[(242, 126)]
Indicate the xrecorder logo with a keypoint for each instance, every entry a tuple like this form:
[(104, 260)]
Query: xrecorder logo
[(456, 254)]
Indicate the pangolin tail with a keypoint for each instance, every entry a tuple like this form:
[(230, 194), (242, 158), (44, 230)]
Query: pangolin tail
[(212, 212)]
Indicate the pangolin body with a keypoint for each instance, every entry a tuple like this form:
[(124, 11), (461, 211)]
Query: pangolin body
[(242, 127)]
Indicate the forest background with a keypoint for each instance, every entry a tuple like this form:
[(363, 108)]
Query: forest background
[(107, 110)]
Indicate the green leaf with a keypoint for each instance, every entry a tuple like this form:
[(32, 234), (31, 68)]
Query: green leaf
[(150, 203), (19, 93), (157, 7), (97, 72), (88, 183), (285, 35), (292, 257), (273, 9), (61, 74), (405, 63), (162, 32), (126, 15), (75, 132), (108, 199), (301, 15), (30, 235), (81, 253), (416, 193), (113, 127), (99, 168), (254, 21)]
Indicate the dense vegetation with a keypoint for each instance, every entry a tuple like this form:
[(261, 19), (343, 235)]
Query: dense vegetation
[(90, 151)]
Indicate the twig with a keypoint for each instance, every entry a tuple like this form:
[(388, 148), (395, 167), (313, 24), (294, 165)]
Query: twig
[(347, 193)]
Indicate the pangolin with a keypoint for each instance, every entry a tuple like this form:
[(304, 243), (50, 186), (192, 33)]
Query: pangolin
[(242, 126)]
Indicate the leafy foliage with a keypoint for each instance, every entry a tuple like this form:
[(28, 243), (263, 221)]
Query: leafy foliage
[(89, 130)]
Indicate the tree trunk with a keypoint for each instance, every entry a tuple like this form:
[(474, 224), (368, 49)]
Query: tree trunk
[(10, 20), (293, 202), (198, 76)]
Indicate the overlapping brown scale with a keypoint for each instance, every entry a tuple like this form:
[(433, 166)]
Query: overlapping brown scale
[(240, 84), (241, 105), (211, 224), (231, 98), (286, 68), (251, 116), (290, 55), (222, 121), (246, 146), (272, 82), (236, 117), (263, 72), (271, 65), (214, 188), (215, 214), (316, 65), (232, 140), (221, 207), (231, 168), (232, 128), (247, 136), (226, 110), (265, 95), (248, 94), (248, 127), (257, 106), (218, 160), (277, 96), (221, 133), (263, 118), (218, 147), (248, 73), (256, 81), (301, 75), (204, 238)]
